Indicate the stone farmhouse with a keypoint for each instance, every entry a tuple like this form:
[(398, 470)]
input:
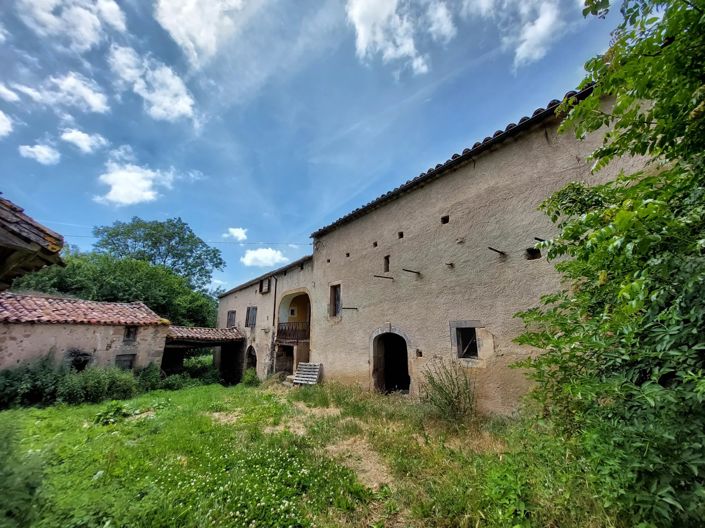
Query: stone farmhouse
[(436, 268), (80, 333)]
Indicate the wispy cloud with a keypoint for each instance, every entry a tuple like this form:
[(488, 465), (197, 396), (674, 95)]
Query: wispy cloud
[(8, 95), (78, 24), (263, 257), (72, 89), (5, 124), (86, 143), (42, 153), (164, 93)]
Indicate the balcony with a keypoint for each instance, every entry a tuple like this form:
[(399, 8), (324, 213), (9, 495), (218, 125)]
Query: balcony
[(293, 331)]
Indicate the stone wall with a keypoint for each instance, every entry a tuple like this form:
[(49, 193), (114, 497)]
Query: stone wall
[(21, 343)]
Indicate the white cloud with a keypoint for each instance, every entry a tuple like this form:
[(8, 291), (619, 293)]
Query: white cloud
[(263, 257), (85, 142), (383, 26), (5, 124), (73, 89), (200, 28), (81, 24), (129, 182), (294, 246), (8, 95), (537, 35), (3, 34), (441, 25), (44, 154), (238, 233), (528, 27), (164, 93)]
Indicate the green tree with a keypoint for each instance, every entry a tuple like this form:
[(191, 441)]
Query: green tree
[(624, 362), (103, 277), (171, 243)]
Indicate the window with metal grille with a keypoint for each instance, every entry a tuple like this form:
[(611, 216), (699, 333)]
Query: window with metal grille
[(335, 303), (466, 339), (231, 319), (125, 361), (251, 317)]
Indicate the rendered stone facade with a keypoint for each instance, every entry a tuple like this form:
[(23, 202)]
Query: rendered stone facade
[(441, 276)]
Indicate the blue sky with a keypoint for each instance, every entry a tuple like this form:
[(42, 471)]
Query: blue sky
[(258, 121)]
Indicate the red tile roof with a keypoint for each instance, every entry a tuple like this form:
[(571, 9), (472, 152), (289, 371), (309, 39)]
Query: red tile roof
[(24, 308), (203, 334), (539, 115)]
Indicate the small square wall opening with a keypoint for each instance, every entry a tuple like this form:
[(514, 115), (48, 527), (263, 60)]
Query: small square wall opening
[(400, 234), (386, 263), (445, 219), (374, 244), (347, 254), (532, 253)]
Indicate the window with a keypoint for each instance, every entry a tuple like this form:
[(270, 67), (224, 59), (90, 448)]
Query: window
[(347, 254), (125, 361), (445, 219), (130, 333), (386, 263), (466, 339), (335, 305), (251, 317), (265, 284), (400, 234), (231, 319), (374, 244)]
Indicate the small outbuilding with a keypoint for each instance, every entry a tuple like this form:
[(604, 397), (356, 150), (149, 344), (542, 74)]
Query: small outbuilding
[(79, 332)]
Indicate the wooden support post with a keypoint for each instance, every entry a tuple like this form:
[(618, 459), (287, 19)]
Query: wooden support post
[(383, 277), (497, 251), (411, 271)]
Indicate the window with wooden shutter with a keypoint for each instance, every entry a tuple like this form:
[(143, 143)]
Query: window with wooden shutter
[(251, 317), (231, 319), (335, 306)]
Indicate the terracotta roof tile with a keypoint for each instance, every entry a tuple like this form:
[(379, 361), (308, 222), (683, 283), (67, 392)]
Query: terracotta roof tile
[(203, 334), (23, 308), (499, 136)]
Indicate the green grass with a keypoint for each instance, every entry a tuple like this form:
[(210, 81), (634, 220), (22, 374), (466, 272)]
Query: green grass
[(217, 456)]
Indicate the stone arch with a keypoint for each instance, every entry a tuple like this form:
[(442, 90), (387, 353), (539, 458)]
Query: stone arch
[(251, 358), (389, 360)]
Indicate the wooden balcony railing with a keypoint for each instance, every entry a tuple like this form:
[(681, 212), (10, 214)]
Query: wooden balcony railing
[(293, 331)]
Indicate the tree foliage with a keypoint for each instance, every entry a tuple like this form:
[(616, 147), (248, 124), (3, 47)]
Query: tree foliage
[(103, 277), (624, 361), (171, 243)]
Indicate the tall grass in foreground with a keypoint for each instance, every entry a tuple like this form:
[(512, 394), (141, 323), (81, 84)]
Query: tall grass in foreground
[(448, 389)]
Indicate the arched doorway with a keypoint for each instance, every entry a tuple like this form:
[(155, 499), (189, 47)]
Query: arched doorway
[(251, 358), (390, 363)]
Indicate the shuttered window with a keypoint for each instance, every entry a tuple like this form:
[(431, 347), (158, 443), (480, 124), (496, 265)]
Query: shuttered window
[(231, 319), (251, 318)]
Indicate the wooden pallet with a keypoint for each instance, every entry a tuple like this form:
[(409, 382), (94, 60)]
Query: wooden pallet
[(307, 374)]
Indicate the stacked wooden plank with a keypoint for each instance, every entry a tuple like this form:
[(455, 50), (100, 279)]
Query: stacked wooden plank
[(307, 374)]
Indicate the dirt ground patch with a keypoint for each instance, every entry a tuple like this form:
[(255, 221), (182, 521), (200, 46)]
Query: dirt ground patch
[(357, 454), (319, 412), (225, 418)]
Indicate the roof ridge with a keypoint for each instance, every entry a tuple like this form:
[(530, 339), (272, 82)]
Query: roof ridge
[(511, 129)]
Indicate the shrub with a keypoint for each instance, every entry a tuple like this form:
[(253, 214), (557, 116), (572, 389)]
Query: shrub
[(31, 384), (447, 388), (250, 378), (20, 478), (149, 378), (113, 413), (71, 388), (122, 384), (176, 382)]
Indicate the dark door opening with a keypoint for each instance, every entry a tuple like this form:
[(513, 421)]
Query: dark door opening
[(251, 359), (231, 362), (284, 360), (390, 369)]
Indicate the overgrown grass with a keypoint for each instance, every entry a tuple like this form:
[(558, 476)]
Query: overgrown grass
[(241, 456)]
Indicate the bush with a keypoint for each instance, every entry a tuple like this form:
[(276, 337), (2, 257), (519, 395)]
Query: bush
[(31, 384), (176, 382), (447, 388), (250, 378), (202, 368), (20, 478), (149, 378)]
